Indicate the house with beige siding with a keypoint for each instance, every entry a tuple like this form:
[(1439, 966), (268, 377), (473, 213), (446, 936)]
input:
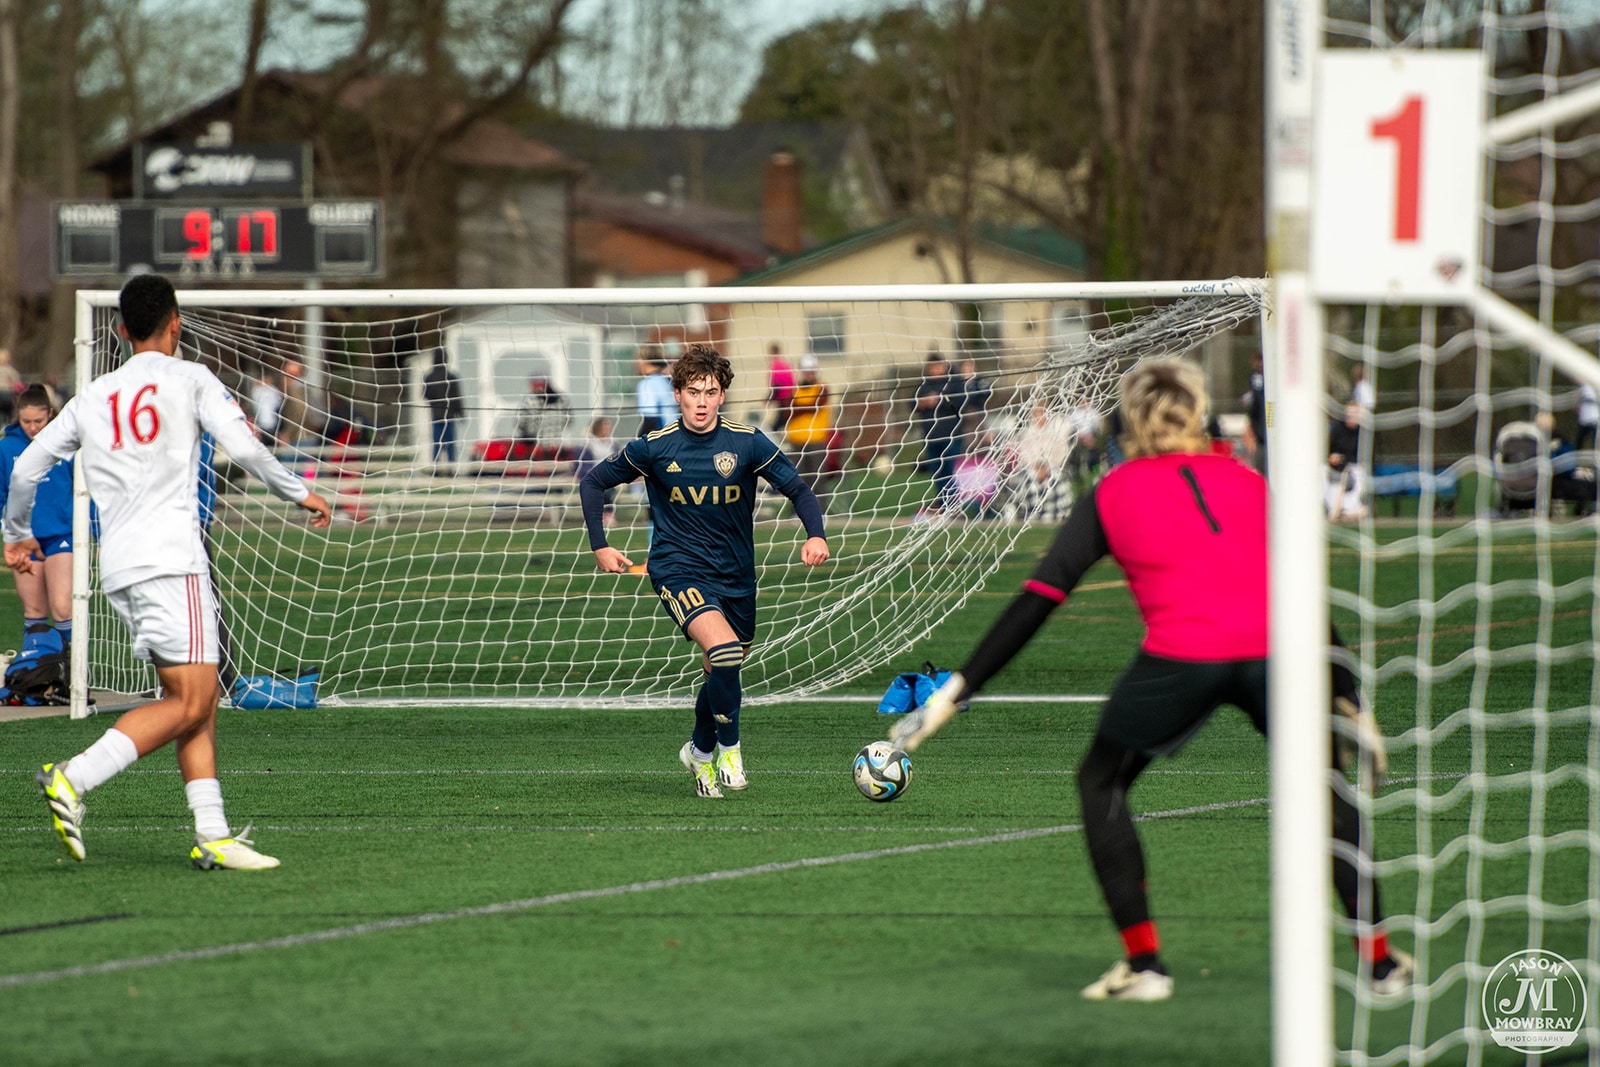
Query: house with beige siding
[(857, 342)]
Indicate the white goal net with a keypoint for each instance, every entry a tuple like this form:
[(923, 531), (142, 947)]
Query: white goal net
[(1461, 541), (468, 577)]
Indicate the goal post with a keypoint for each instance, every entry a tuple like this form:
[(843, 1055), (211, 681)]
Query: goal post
[(1406, 240), (470, 580)]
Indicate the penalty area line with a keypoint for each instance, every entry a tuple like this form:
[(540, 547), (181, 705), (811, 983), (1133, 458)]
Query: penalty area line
[(340, 933)]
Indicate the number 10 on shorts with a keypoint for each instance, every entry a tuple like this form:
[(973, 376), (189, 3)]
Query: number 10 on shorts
[(1397, 198)]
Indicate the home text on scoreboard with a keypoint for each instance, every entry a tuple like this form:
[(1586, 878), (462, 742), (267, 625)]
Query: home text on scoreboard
[(219, 241)]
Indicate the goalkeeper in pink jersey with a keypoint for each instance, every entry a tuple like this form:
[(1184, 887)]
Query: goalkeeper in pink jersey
[(139, 430), (1189, 529)]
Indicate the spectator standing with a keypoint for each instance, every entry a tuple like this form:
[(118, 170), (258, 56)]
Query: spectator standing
[(1083, 462), (975, 394), (597, 448), (294, 415), (1361, 392), (442, 391), (1255, 408), (939, 402), (1043, 491), (810, 426), (1588, 417), (1346, 486), (657, 405), (266, 404), (781, 389)]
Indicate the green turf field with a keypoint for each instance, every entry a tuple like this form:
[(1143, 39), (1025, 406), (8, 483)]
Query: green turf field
[(503, 885)]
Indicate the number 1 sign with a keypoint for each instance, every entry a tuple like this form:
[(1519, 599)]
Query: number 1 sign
[(1398, 173)]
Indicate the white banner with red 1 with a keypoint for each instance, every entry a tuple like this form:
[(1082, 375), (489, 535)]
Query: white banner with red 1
[(1397, 176)]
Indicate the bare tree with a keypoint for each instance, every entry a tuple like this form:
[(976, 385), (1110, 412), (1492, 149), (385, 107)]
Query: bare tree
[(10, 303), (245, 110), (1123, 50), (656, 62), (59, 349)]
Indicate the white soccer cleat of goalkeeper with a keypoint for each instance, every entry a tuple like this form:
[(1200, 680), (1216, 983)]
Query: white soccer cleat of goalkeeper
[(919, 725), (1367, 742)]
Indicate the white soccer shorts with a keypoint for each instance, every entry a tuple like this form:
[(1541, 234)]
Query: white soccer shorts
[(173, 619)]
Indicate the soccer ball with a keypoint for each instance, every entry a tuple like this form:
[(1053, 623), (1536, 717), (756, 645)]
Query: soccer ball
[(882, 771)]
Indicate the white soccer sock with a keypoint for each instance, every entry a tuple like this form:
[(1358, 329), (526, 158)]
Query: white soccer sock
[(698, 756), (114, 753), (205, 800)]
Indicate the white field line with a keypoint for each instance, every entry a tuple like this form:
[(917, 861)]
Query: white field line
[(751, 700), (110, 703), (576, 896), (628, 772)]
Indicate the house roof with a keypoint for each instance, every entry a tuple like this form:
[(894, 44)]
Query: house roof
[(1040, 243), (733, 236)]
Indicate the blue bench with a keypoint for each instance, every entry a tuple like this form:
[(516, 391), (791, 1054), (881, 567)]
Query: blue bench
[(1392, 481)]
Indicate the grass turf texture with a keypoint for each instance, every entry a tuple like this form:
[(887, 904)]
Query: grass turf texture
[(963, 955)]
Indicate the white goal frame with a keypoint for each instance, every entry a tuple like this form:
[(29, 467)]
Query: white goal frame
[(1302, 964), (313, 299)]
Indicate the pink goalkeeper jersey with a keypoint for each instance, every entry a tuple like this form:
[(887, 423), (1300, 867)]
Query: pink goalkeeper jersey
[(1190, 532)]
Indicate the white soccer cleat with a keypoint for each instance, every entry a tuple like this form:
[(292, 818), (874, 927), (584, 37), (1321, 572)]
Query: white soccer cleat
[(66, 807), (1122, 982), (1399, 979), (917, 726), (705, 777), (231, 854), (730, 768)]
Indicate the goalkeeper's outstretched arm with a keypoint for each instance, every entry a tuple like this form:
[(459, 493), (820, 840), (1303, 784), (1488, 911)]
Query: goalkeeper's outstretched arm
[(1077, 546)]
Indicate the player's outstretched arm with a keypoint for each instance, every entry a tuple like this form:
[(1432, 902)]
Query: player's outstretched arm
[(321, 513)]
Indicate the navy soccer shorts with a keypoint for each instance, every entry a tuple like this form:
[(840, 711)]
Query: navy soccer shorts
[(687, 598)]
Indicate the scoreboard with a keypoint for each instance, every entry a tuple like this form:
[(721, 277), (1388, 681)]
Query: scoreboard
[(235, 240)]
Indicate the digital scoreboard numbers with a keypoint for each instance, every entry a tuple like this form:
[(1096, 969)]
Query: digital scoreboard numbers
[(1398, 176), (237, 241)]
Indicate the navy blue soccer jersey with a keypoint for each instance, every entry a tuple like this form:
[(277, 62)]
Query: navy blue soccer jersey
[(702, 489)]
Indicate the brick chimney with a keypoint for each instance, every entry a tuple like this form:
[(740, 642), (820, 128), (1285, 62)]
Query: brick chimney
[(782, 211)]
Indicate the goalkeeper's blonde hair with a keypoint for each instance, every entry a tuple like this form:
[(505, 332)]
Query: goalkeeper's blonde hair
[(1164, 408)]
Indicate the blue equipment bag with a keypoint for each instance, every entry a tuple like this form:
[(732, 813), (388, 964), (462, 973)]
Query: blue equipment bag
[(41, 673), (263, 691), (910, 691)]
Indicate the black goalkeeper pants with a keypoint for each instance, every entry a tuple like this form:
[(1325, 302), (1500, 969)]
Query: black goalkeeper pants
[(1157, 706)]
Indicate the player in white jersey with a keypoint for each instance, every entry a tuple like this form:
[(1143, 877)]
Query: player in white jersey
[(139, 430)]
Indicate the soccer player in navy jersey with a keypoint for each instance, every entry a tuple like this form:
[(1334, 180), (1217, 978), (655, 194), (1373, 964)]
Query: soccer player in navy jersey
[(1205, 613), (700, 475)]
